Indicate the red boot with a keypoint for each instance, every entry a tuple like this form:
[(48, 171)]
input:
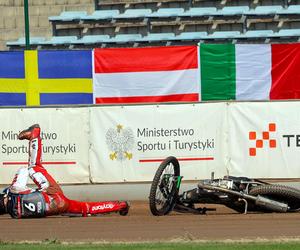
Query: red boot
[(30, 133), (124, 208)]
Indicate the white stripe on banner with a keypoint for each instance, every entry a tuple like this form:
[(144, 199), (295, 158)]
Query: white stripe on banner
[(253, 72), (146, 83)]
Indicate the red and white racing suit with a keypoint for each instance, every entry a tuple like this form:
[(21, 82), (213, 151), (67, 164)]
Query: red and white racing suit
[(56, 201)]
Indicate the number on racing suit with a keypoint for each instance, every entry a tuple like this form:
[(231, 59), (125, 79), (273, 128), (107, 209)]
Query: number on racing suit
[(26, 205)]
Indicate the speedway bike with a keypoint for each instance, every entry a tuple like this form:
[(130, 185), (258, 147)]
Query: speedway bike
[(241, 194)]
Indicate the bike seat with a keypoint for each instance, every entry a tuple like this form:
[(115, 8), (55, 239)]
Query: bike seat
[(237, 179)]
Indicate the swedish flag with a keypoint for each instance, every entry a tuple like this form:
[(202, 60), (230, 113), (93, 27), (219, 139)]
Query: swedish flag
[(46, 77)]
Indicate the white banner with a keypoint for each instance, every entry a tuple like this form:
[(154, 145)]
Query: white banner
[(264, 139), (64, 135), (129, 142)]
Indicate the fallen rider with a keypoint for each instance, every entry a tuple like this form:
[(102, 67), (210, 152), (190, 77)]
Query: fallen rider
[(48, 199)]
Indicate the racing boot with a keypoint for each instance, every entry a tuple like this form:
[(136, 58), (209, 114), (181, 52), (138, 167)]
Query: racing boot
[(124, 208), (30, 133)]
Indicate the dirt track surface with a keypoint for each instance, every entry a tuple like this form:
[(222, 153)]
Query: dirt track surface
[(140, 225)]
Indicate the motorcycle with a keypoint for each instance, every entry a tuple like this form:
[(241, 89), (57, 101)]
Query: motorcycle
[(241, 194)]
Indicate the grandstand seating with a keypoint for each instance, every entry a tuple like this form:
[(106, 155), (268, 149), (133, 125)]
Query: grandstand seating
[(197, 12), (265, 10), (21, 41), (59, 41), (190, 36), (135, 13), (233, 10), (126, 38), (166, 12), (258, 33), (100, 15), (157, 37), (132, 4), (128, 22), (292, 9), (92, 40), (67, 16), (224, 35), (287, 33)]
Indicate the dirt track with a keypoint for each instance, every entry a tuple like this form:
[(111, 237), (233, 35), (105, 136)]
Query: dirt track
[(139, 225)]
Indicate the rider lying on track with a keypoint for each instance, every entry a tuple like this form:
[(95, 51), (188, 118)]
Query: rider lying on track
[(20, 201)]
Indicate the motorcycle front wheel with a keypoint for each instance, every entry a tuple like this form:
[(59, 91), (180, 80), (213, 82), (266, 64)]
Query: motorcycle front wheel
[(165, 187)]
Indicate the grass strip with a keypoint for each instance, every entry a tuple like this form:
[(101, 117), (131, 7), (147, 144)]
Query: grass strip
[(153, 246)]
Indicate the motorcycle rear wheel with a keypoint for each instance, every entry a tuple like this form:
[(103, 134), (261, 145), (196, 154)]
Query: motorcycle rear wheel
[(281, 193), (164, 189)]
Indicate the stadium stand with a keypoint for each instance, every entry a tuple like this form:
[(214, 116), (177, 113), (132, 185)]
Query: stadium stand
[(166, 13), (126, 38), (233, 11), (107, 23), (12, 17), (134, 13), (190, 36), (92, 40), (68, 16), (292, 9), (263, 35), (224, 35), (21, 41), (287, 33), (101, 15), (132, 4), (158, 37), (59, 41), (265, 10), (199, 11)]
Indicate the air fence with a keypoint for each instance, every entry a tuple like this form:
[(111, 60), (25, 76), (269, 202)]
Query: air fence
[(100, 146)]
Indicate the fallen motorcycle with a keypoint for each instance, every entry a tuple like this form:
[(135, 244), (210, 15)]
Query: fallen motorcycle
[(241, 194)]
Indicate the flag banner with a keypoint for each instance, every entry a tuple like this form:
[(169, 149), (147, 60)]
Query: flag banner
[(12, 78), (250, 71), (207, 72), (153, 74), (46, 77)]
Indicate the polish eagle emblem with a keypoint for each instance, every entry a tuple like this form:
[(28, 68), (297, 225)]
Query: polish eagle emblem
[(120, 141)]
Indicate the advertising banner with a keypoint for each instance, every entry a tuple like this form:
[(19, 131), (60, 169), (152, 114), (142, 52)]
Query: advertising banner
[(64, 133), (264, 139), (129, 142)]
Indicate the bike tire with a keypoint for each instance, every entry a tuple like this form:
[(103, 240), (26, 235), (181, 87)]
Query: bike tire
[(157, 206), (280, 193)]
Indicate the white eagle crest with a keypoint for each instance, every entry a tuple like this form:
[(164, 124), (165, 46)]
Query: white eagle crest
[(120, 141)]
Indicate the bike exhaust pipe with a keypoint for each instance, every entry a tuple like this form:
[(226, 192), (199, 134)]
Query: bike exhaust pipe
[(275, 206), (261, 201)]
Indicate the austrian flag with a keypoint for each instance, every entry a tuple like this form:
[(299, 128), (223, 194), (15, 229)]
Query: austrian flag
[(141, 75)]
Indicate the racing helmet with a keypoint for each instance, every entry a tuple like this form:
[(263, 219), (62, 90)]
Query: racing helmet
[(2, 205)]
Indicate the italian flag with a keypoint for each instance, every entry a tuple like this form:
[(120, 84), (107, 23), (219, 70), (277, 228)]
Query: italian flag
[(250, 71), (151, 74)]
